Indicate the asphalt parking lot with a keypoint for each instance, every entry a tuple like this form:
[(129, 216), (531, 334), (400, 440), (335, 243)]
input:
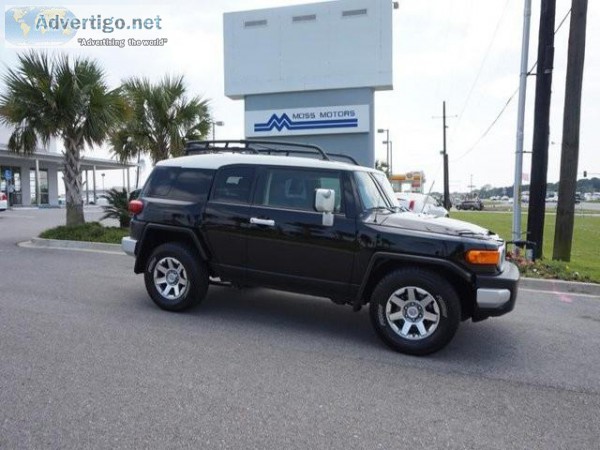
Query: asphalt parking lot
[(88, 361)]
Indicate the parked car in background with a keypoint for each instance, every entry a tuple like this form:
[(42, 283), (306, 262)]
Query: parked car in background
[(421, 204), (3, 202), (473, 204)]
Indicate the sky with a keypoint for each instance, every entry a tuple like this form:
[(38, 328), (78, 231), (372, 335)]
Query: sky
[(464, 52)]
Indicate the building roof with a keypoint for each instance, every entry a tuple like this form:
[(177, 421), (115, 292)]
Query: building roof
[(87, 163)]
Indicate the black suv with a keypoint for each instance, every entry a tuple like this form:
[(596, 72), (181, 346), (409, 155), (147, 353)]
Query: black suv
[(249, 213)]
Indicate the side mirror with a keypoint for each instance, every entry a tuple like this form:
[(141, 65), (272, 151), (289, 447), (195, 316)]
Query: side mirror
[(325, 203), (325, 200)]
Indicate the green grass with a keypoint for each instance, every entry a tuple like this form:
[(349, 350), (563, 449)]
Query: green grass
[(585, 254), (90, 232)]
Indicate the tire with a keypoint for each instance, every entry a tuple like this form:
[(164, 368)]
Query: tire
[(415, 311), (176, 278)]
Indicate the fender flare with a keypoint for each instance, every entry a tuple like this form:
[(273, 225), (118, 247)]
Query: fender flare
[(172, 229), (430, 261)]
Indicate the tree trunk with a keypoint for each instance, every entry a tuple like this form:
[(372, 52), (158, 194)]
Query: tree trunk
[(72, 176)]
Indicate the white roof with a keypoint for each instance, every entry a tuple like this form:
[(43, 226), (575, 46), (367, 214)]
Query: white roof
[(217, 160)]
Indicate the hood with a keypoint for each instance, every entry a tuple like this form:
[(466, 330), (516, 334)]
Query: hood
[(431, 224)]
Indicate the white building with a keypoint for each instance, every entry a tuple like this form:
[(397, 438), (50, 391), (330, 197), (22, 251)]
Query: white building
[(33, 180)]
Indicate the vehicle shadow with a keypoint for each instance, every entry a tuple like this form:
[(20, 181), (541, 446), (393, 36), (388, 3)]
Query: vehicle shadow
[(297, 313), (486, 347), (491, 343)]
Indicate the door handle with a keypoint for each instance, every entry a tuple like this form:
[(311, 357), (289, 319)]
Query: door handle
[(257, 221)]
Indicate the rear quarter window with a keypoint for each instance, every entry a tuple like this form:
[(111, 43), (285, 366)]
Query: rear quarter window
[(179, 184)]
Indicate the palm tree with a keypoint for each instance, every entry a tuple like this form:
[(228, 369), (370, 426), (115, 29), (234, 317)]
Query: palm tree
[(118, 207), (383, 166), (162, 119), (64, 98)]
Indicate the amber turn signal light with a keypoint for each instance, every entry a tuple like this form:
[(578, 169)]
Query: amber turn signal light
[(483, 257)]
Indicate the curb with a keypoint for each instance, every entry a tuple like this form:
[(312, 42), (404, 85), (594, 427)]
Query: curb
[(73, 245), (573, 287), (539, 284)]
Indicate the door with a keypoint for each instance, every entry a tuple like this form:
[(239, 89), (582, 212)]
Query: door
[(288, 245), (226, 219)]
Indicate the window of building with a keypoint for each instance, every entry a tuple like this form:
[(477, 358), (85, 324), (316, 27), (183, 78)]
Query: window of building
[(43, 187)]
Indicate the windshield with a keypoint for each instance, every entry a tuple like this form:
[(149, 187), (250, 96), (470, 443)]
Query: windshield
[(370, 194)]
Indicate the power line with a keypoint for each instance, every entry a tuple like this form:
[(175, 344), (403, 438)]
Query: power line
[(483, 61), (489, 128)]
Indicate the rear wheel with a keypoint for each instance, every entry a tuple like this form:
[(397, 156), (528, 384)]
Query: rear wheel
[(176, 278), (415, 311)]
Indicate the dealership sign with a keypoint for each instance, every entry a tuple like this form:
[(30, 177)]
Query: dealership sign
[(302, 121)]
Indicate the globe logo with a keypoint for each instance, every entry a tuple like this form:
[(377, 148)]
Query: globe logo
[(38, 26)]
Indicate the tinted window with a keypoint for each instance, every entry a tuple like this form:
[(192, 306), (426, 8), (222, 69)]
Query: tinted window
[(295, 189), (179, 184), (234, 185)]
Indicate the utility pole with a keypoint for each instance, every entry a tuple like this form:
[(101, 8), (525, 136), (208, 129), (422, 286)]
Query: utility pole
[(516, 227), (565, 212), (444, 153), (471, 186), (541, 128)]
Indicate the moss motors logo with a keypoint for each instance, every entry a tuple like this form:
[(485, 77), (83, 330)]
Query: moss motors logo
[(38, 25), (315, 120)]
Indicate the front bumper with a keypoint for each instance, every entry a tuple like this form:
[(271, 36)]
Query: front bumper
[(128, 245), (496, 294)]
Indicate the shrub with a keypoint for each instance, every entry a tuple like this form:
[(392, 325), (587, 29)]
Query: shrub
[(118, 207)]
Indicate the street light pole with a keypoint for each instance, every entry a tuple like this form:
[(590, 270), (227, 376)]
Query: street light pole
[(388, 155), (218, 123), (516, 225)]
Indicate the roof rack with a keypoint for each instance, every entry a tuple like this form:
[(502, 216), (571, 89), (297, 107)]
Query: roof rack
[(342, 157), (280, 148)]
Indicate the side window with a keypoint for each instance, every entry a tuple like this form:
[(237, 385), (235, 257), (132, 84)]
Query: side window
[(295, 189), (179, 183), (233, 185)]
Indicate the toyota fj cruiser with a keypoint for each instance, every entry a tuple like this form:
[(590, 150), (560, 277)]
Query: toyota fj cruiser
[(292, 217)]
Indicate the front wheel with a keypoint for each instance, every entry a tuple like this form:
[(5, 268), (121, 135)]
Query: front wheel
[(176, 279), (415, 311)]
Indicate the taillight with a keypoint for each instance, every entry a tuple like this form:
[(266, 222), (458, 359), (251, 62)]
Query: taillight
[(2, 196), (411, 205), (136, 206)]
